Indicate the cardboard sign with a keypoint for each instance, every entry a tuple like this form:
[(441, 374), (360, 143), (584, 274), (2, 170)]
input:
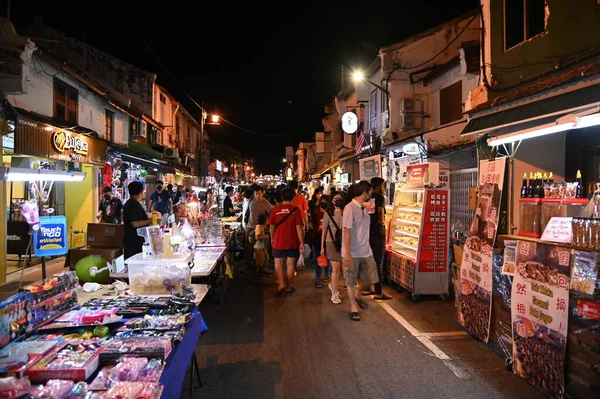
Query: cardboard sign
[(558, 229)]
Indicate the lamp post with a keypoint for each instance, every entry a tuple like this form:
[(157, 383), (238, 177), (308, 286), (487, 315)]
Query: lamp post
[(358, 76), (214, 121)]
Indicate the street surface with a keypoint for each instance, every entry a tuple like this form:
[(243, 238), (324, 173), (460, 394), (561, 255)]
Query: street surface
[(303, 346)]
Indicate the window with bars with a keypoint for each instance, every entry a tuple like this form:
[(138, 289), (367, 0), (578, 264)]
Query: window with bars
[(65, 102), (109, 118)]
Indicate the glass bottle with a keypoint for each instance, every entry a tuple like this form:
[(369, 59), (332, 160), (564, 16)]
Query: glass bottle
[(530, 186), (579, 187), (524, 187)]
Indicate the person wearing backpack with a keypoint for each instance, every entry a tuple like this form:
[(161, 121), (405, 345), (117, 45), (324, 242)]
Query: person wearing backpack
[(331, 242)]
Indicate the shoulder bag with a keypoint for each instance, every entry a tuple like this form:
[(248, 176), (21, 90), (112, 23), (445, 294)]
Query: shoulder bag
[(337, 240)]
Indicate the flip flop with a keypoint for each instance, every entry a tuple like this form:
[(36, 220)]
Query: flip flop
[(361, 304), (367, 293), (292, 289), (354, 316), (280, 293)]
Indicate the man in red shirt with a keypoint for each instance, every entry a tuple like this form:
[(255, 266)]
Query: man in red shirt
[(287, 238), (300, 201)]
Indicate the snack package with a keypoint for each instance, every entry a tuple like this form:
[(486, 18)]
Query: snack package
[(584, 272)]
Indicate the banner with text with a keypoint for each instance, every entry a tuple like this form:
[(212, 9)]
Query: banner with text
[(476, 268), (539, 308)]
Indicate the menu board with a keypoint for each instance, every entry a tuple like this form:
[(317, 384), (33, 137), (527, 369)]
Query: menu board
[(434, 234), (540, 315), (476, 269)]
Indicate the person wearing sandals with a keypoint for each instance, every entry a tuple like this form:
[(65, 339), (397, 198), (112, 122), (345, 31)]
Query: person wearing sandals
[(357, 256), (286, 224), (377, 237), (332, 222)]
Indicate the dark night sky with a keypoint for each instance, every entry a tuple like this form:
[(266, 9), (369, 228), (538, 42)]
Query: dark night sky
[(246, 60)]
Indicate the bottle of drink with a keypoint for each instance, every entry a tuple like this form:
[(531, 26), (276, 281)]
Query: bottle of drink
[(524, 187), (545, 179), (538, 185), (541, 182), (551, 179), (579, 189), (530, 186)]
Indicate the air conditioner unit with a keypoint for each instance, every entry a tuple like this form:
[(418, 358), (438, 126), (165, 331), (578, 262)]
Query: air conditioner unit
[(411, 122), (171, 153), (411, 106)]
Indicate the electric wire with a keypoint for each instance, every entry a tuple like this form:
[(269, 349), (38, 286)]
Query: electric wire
[(181, 87), (248, 130)]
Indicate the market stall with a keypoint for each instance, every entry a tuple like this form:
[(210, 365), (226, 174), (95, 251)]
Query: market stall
[(417, 248), (106, 344)]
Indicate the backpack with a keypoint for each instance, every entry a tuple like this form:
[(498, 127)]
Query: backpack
[(337, 240), (247, 214), (252, 237)]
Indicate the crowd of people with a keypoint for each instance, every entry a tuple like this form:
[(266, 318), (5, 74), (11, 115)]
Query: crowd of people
[(344, 231)]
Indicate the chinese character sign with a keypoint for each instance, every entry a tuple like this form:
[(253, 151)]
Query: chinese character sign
[(476, 268), (540, 306), (434, 233), (51, 237)]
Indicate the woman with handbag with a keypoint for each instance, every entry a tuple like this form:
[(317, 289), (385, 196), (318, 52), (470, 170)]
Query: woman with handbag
[(331, 241)]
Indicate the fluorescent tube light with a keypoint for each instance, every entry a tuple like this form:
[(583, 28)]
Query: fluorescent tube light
[(562, 124), (24, 174)]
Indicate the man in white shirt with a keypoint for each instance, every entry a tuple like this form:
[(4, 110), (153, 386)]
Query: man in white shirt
[(357, 256)]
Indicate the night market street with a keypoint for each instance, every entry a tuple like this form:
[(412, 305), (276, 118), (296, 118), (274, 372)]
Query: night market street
[(303, 346)]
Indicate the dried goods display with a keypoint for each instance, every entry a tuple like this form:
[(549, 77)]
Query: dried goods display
[(418, 240), (540, 315), (476, 267)]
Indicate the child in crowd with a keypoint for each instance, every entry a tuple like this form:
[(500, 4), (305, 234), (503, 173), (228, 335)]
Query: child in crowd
[(260, 251)]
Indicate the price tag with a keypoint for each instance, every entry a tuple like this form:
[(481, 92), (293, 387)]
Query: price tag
[(558, 229)]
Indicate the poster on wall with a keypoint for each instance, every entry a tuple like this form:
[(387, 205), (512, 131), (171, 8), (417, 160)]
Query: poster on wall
[(476, 268), (370, 167), (51, 237), (540, 315)]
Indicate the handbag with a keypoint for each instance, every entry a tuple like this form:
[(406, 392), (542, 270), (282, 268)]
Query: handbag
[(337, 240)]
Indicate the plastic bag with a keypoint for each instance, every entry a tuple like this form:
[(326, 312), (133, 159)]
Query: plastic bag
[(300, 264)]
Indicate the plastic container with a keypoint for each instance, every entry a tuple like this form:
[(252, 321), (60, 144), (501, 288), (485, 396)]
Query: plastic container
[(563, 207), (530, 217), (159, 274)]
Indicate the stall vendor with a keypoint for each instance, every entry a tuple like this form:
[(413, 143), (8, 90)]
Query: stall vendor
[(161, 202), (134, 217)]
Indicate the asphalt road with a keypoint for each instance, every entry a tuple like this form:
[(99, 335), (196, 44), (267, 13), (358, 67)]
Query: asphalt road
[(303, 346)]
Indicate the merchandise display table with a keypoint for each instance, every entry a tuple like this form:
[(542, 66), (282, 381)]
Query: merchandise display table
[(206, 259), (102, 344)]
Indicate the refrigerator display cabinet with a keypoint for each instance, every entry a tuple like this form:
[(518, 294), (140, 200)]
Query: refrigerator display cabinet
[(418, 240)]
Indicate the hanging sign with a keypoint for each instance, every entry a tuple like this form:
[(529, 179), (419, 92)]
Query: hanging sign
[(51, 237), (349, 122), (540, 315), (370, 167), (423, 174), (476, 269)]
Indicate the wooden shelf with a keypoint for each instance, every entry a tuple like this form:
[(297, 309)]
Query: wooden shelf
[(502, 238)]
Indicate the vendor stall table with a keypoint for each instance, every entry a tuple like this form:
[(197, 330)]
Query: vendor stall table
[(206, 259)]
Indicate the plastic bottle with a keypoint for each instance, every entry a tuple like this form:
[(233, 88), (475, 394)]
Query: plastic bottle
[(167, 245)]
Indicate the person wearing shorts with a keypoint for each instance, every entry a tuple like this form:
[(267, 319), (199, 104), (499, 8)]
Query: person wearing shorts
[(287, 237), (357, 256)]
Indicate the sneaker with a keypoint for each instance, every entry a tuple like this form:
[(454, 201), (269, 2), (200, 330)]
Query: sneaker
[(318, 284), (332, 291), (335, 298), (326, 279)]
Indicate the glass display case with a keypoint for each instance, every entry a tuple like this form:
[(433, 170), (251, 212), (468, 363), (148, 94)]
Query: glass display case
[(418, 240)]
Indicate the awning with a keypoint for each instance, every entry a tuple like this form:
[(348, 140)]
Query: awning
[(324, 169), (535, 113)]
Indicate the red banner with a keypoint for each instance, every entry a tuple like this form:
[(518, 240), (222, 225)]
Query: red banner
[(434, 234)]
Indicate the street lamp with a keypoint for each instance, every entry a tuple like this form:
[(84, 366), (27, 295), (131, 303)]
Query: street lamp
[(284, 160), (214, 120), (358, 76)]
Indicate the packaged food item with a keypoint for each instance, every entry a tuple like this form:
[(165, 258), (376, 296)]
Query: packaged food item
[(584, 272)]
